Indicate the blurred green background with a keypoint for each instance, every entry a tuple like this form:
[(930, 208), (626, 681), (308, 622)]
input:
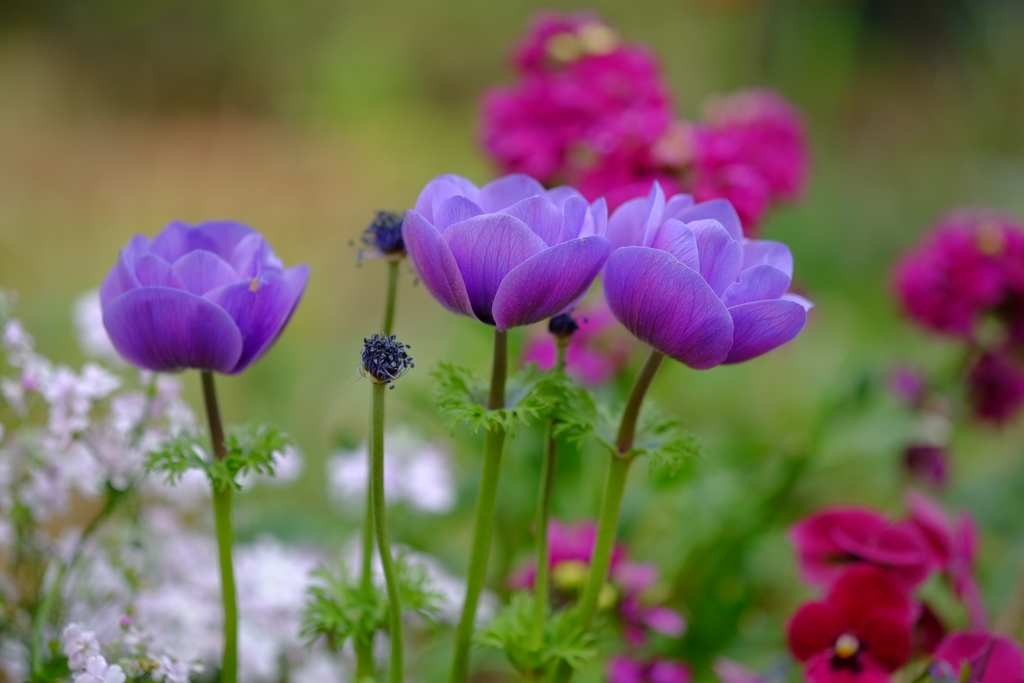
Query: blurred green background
[(303, 118)]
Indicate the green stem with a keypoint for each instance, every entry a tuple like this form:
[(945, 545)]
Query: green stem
[(381, 526), (541, 585), (389, 302), (483, 519), (611, 501), (222, 499)]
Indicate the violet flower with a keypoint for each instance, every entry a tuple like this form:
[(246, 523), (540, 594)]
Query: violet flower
[(684, 280), (622, 669), (510, 253), (210, 297)]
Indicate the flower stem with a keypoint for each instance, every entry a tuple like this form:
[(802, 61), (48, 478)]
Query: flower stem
[(389, 302), (541, 584), (611, 501), (381, 526), (483, 519), (222, 499)]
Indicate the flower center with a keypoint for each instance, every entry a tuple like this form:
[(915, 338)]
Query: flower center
[(570, 575), (846, 646), (385, 234)]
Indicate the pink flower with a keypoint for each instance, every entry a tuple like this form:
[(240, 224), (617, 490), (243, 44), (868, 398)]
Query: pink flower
[(772, 134), (570, 548), (584, 104), (860, 633), (594, 355), (995, 386), (954, 549), (628, 670), (971, 266), (991, 658), (829, 541)]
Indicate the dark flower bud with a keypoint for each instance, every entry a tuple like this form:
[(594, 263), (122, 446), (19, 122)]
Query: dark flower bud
[(563, 326), (385, 359), (927, 463), (383, 237)]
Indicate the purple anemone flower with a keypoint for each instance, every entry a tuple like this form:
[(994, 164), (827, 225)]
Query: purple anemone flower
[(684, 280), (510, 253), (210, 297)]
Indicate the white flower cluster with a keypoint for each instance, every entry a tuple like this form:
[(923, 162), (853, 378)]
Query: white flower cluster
[(135, 658), (418, 473)]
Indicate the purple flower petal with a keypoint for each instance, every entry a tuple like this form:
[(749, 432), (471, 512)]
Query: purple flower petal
[(676, 205), (119, 280), (252, 255), (454, 210), (530, 293), (220, 237), (201, 271), (756, 284), (172, 242), (486, 248), (763, 325), (261, 308), (540, 215), (434, 263), (153, 271), (575, 212), (664, 620), (165, 330), (441, 188), (720, 255), (806, 303), (508, 190), (767, 253), (633, 224), (677, 239), (668, 305), (720, 210)]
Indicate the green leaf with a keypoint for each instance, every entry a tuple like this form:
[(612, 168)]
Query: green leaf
[(665, 441), (253, 451), (339, 607), (511, 630), (530, 395)]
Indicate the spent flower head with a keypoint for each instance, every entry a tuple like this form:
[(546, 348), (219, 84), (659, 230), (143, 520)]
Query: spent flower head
[(385, 359), (383, 237)]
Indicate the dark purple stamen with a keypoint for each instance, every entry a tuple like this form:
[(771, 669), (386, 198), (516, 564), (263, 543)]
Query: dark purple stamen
[(385, 359)]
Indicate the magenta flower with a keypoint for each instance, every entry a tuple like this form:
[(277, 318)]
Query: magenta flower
[(859, 634), (623, 669), (583, 97), (594, 354), (991, 658), (954, 549), (995, 386), (971, 267), (570, 547), (829, 541), (211, 297), (510, 253), (684, 280)]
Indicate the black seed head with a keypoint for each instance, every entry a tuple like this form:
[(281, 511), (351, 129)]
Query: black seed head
[(563, 325), (385, 359), (383, 237)]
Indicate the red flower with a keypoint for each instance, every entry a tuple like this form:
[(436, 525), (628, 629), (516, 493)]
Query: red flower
[(991, 658), (860, 633), (831, 540)]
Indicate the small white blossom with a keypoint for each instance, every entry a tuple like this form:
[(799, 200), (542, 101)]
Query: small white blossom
[(80, 646), (92, 335), (98, 671)]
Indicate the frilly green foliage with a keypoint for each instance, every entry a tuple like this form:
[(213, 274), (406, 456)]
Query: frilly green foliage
[(511, 631), (530, 395), (665, 441), (340, 608), (253, 451)]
